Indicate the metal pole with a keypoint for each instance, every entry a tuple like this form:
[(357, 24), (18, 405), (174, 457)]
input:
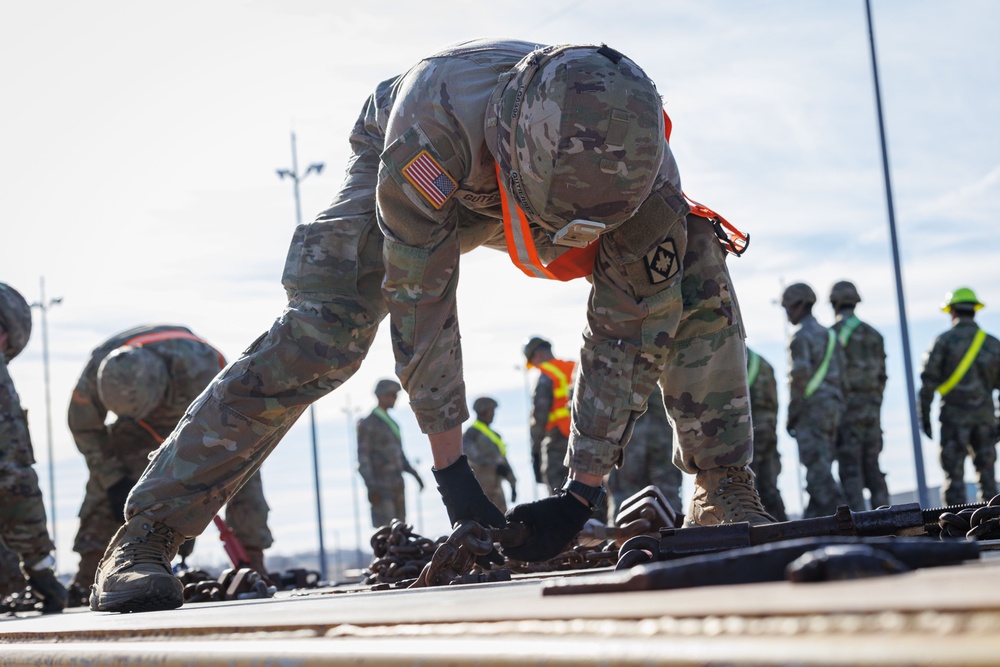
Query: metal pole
[(353, 453), (296, 178), (43, 306), (918, 456)]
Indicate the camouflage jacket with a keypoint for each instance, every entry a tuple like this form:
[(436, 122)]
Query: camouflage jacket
[(483, 453), (806, 351), (15, 439), (191, 366), (439, 109), (971, 400), (864, 354), (764, 393), (381, 460)]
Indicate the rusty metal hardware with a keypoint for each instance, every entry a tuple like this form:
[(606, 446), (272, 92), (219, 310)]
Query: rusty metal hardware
[(457, 555), (398, 554), (980, 521), (232, 584), (766, 562)]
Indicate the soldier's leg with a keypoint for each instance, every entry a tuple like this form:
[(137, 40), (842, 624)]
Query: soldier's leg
[(399, 499), (848, 454), (984, 458), (11, 578), (383, 508), (98, 524), (554, 463), (246, 514), (705, 389), (815, 433), (954, 449), (871, 450), (766, 465)]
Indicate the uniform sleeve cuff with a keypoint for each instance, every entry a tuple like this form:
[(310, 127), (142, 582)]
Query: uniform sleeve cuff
[(437, 415), (594, 457)]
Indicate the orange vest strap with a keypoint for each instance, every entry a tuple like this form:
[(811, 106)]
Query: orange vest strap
[(173, 334), (574, 263)]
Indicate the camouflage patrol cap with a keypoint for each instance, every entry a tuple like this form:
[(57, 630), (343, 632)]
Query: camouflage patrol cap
[(844, 292), (131, 381), (483, 403), (386, 387), (797, 293), (578, 133), (534, 344), (15, 318)]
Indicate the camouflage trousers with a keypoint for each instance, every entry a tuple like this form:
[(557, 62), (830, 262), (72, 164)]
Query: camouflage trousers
[(816, 433), (388, 501), (959, 441), (766, 464), (554, 463), (859, 444), (12, 579), (23, 527)]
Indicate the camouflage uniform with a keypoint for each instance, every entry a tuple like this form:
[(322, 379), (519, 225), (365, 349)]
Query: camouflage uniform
[(548, 444), (381, 462), (766, 463), (488, 462), (22, 512), (647, 460), (814, 421), (661, 304), (967, 411), (121, 450), (859, 440), (11, 577)]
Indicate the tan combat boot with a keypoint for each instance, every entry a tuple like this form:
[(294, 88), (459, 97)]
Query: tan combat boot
[(135, 573), (725, 495)]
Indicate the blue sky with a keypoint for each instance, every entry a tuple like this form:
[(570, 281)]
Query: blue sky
[(140, 144)]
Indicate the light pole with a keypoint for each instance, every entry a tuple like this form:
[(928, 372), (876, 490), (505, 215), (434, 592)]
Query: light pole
[(911, 392), (352, 451), (44, 306), (293, 173)]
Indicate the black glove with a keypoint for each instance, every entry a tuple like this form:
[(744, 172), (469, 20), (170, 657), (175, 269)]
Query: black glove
[(513, 493), (553, 523), (503, 470), (926, 424), (464, 499), (117, 494), (536, 465)]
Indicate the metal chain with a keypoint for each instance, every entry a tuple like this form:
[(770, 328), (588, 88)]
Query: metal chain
[(982, 523), (398, 553)]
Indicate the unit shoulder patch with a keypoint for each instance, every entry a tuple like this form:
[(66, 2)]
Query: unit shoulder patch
[(661, 262), (430, 179)]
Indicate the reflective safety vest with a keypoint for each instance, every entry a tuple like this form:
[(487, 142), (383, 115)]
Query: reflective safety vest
[(561, 374), (817, 379), (492, 435)]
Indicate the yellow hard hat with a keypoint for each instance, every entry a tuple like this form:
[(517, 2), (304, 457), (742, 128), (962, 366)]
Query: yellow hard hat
[(962, 295)]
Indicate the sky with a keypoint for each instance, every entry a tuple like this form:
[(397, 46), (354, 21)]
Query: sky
[(140, 143)]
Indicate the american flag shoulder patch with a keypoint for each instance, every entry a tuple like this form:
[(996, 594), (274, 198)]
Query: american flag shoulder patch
[(427, 176)]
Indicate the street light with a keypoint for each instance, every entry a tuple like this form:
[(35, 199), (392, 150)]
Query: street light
[(44, 306), (293, 173)]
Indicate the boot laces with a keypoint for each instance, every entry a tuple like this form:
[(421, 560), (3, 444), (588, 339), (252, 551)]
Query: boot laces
[(737, 489), (152, 548)]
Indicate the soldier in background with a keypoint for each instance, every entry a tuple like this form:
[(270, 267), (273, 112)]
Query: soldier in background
[(550, 418), (147, 376), (648, 460), (859, 439), (766, 463), (963, 366), (487, 454), (22, 513), (816, 400), (381, 460)]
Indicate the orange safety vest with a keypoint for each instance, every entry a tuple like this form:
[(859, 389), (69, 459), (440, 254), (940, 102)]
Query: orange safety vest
[(561, 374), (579, 262)]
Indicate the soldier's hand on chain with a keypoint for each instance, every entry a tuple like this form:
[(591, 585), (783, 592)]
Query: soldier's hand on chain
[(464, 499), (553, 523), (117, 494)]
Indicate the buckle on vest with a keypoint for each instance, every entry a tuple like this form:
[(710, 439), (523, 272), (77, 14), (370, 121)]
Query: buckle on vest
[(579, 233)]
